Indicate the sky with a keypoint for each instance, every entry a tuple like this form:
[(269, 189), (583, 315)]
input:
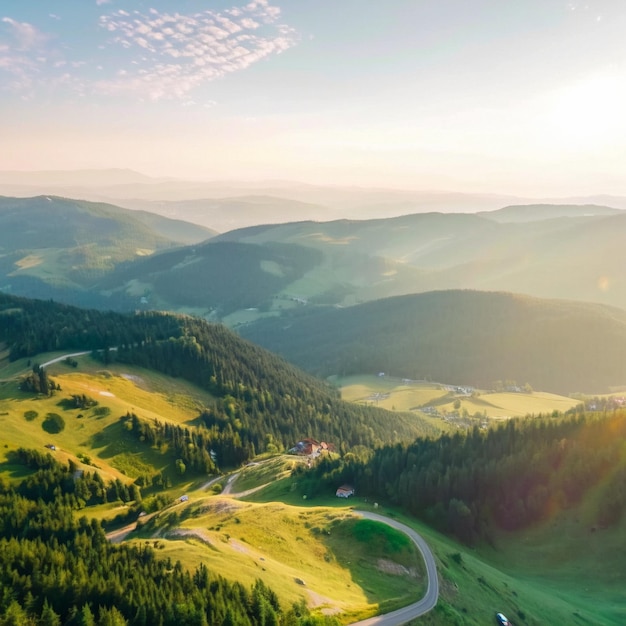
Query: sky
[(504, 96)]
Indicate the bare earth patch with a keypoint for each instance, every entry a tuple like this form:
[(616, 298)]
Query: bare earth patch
[(316, 600), (390, 567), (138, 380), (235, 545), (196, 533)]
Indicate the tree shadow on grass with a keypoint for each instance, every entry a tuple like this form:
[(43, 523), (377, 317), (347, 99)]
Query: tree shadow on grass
[(382, 561)]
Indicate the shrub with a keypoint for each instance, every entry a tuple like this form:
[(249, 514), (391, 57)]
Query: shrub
[(30, 415), (53, 423)]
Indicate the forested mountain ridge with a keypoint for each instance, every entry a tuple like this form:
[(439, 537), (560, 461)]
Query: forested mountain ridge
[(53, 246), (577, 254), (216, 277), (94, 254), (259, 398), (461, 337)]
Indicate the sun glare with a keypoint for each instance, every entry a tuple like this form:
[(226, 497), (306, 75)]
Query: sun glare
[(590, 112)]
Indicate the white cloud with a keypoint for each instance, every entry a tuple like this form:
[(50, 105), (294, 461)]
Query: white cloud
[(25, 35), (21, 58), (168, 55), (191, 50)]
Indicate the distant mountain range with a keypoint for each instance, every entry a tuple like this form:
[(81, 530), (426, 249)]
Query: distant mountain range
[(226, 205), (460, 337), (573, 252), (95, 254)]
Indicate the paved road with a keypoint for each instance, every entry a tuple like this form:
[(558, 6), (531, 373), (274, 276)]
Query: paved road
[(63, 357), (429, 601)]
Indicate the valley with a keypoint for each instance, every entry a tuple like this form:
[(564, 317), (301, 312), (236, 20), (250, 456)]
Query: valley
[(311, 540), (489, 422), (312, 313)]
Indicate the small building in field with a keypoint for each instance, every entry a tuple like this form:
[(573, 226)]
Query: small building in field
[(345, 491)]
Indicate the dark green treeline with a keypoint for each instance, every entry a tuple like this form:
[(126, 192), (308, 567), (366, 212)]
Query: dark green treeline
[(506, 477)]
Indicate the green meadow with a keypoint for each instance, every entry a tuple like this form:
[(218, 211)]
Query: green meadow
[(396, 395), (329, 558), (94, 437), (563, 571)]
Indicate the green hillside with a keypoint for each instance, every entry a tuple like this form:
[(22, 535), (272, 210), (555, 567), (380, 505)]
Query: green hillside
[(98, 255), (459, 337), (141, 422), (260, 401), (213, 278), (53, 246), (572, 252), (542, 500)]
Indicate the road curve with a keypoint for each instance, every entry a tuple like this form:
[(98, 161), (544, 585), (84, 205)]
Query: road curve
[(429, 601), (72, 355), (65, 356)]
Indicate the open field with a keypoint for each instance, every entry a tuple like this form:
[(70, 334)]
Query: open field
[(321, 555), (96, 433), (397, 395), (572, 558)]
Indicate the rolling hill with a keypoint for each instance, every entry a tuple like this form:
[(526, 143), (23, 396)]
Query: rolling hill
[(100, 255), (574, 255), (259, 400), (461, 337), (213, 278), (53, 246)]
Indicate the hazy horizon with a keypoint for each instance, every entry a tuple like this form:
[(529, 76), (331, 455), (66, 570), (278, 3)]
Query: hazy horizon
[(489, 98)]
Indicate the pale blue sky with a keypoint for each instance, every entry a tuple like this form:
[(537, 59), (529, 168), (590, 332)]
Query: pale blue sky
[(519, 96)]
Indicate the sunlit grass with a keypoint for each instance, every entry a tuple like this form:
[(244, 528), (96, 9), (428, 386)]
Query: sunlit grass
[(395, 395)]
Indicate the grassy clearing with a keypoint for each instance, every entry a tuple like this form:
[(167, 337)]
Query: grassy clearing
[(396, 395), (268, 471), (287, 546), (96, 433), (572, 559)]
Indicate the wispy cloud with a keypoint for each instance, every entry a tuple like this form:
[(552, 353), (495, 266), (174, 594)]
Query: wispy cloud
[(164, 55), (25, 35), (20, 53), (178, 53)]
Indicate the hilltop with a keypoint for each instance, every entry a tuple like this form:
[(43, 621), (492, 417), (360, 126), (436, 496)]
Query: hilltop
[(463, 337), (58, 247)]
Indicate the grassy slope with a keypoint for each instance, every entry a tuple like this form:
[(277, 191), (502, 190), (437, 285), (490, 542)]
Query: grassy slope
[(120, 389), (538, 576), (545, 573), (281, 543)]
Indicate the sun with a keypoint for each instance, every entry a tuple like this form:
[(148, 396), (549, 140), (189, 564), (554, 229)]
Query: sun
[(588, 112)]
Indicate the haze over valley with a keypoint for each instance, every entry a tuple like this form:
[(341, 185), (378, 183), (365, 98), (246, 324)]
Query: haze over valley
[(312, 313)]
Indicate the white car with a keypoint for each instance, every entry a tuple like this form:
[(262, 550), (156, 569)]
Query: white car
[(502, 620)]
